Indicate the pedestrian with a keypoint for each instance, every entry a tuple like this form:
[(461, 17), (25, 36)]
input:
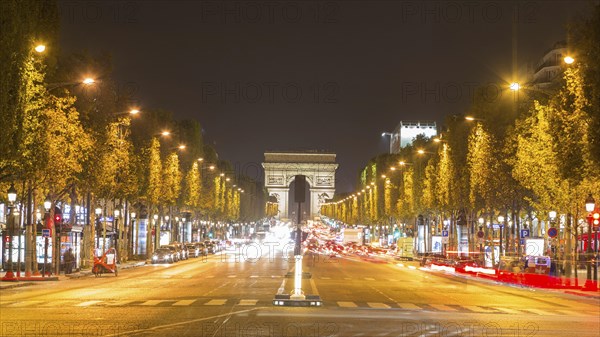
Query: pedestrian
[(69, 259)]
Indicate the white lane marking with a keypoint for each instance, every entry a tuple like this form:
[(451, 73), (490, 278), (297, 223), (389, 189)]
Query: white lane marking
[(209, 276), (540, 312), (119, 303), (248, 302), (313, 286), (346, 304), (475, 308), (442, 307), (409, 306), (216, 302), (87, 303), (369, 279), (23, 304), (232, 276), (253, 276), (281, 287), (57, 304), (508, 311), (184, 302), (152, 302), (325, 278), (157, 328), (378, 305)]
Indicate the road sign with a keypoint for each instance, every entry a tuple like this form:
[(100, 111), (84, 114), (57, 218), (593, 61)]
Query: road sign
[(524, 233), (522, 241), (552, 232), (445, 239), (45, 233), (444, 233), (480, 234)]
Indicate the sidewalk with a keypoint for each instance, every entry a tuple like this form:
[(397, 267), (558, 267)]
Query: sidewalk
[(28, 281)]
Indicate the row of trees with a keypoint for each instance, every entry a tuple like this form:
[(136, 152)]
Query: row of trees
[(78, 144), (521, 156)]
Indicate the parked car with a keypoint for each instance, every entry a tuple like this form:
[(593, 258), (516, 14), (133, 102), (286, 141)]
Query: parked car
[(183, 249), (163, 255), (174, 250), (203, 249), (193, 249)]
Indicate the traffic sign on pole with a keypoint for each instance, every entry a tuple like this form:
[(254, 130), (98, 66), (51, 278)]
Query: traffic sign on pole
[(444, 233), (524, 233), (46, 233), (552, 232)]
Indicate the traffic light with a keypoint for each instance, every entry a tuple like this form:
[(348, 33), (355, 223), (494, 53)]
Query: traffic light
[(596, 218)]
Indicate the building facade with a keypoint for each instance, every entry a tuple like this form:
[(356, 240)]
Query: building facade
[(406, 131)]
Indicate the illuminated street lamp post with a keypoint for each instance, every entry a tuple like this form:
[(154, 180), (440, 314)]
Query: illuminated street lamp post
[(47, 205), (98, 212), (117, 213), (501, 225), (12, 197), (590, 205)]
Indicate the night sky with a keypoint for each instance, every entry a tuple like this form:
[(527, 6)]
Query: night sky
[(327, 75)]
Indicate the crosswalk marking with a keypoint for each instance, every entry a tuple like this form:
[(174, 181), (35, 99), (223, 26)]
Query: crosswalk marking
[(508, 310), (119, 303), (369, 279), (152, 302), (23, 304), (378, 305), (442, 307), (475, 308), (247, 302), (409, 306), (347, 304), (540, 312), (215, 302), (184, 302), (87, 303)]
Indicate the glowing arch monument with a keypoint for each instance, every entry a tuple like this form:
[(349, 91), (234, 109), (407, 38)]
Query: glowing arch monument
[(318, 167)]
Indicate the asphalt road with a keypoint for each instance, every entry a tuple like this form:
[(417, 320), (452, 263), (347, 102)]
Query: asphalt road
[(230, 295)]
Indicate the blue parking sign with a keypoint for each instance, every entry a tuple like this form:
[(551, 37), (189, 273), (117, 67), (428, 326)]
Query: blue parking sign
[(524, 233), (444, 233)]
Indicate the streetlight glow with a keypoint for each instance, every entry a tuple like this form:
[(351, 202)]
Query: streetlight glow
[(40, 48), (12, 194), (420, 151), (181, 147), (514, 86), (165, 133), (88, 81), (134, 111), (590, 203), (568, 59)]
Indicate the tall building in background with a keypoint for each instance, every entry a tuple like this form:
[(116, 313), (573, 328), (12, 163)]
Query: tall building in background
[(406, 131), (549, 67)]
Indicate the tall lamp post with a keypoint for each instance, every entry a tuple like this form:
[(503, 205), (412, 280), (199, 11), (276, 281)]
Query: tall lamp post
[(47, 205), (590, 205), (98, 212), (12, 197), (117, 213)]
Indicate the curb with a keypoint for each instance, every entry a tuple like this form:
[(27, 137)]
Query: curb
[(16, 285)]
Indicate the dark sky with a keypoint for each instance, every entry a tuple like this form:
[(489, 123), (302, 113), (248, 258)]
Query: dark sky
[(326, 75)]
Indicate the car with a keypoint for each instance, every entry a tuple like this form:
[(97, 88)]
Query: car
[(183, 250), (174, 250), (162, 255), (202, 248), (193, 249)]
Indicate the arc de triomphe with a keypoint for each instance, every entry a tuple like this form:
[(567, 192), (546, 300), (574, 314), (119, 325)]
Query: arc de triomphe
[(318, 167)]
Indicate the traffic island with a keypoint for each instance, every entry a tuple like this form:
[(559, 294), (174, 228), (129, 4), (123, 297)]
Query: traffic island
[(289, 301)]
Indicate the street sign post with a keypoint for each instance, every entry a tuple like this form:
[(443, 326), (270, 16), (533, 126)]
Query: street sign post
[(524, 233), (46, 232), (552, 232)]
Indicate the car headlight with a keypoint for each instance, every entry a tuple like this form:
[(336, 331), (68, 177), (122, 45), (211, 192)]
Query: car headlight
[(154, 257)]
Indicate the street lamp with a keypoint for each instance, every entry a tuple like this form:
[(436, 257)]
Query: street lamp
[(12, 197), (470, 119), (501, 225), (568, 59), (590, 205), (40, 48)]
